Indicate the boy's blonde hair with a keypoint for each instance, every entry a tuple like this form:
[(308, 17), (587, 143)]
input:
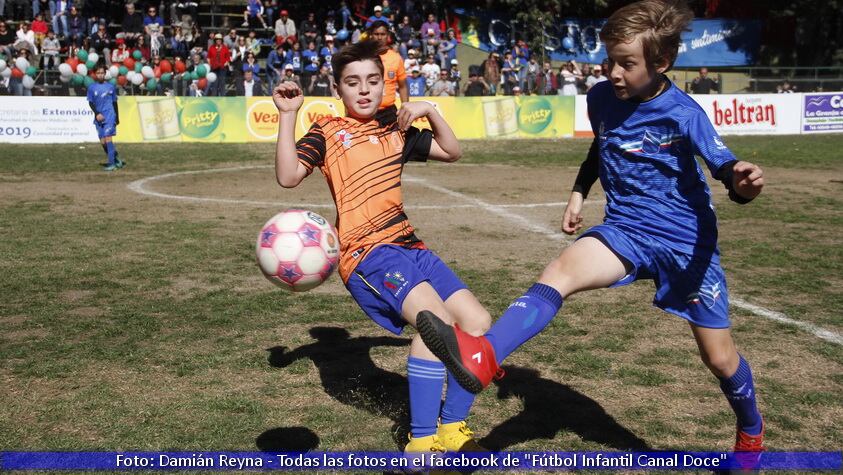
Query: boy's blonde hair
[(659, 23)]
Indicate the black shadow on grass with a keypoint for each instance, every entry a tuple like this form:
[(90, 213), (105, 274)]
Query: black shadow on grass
[(287, 439), (550, 407), (349, 375)]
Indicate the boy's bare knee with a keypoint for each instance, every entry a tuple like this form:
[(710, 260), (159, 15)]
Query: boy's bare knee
[(723, 364), (478, 324)]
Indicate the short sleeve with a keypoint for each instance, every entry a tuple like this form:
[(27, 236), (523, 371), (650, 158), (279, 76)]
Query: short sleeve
[(706, 142), (310, 149), (417, 144), (90, 94)]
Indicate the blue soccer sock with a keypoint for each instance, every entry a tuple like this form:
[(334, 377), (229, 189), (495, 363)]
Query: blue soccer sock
[(458, 402), (425, 379), (109, 147), (740, 392), (104, 148), (524, 318)]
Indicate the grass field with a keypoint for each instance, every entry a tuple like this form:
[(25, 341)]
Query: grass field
[(133, 321)]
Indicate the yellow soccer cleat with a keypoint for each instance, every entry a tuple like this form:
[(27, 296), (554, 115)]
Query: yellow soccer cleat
[(457, 437), (430, 443)]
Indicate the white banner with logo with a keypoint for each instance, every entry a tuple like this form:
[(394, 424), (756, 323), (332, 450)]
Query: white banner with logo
[(46, 120), (762, 114)]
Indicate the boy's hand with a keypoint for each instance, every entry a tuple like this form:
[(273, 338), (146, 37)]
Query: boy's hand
[(748, 179), (410, 111), (288, 97), (572, 219), (100, 118)]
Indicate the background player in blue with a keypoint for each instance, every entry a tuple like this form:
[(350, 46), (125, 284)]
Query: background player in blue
[(659, 222), (102, 97)]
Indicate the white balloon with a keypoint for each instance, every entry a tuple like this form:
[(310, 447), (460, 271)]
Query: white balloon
[(65, 79), (28, 82), (147, 72), (108, 75), (137, 79), (2, 64), (211, 77), (82, 70), (115, 71), (65, 69), (21, 63), (93, 57), (6, 73)]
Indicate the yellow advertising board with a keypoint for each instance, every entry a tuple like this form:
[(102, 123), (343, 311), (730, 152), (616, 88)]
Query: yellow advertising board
[(255, 119)]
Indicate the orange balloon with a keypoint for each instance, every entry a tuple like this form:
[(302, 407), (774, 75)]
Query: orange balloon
[(157, 71), (166, 67), (129, 63), (121, 80), (180, 67), (73, 62), (17, 73), (202, 83)]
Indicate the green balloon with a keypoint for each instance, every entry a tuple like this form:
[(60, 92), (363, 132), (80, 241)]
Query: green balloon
[(123, 70), (201, 71), (76, 80), (151, 84), (188, 76), (31, 71), (90, 64), (137, 55), (138, 67), (113, 81), (166, 77), (88, 81), (82, 55)]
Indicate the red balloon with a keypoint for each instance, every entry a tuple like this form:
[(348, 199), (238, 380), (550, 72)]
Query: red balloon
[(129, 63), (121, 80), (73, 62), (166, 67), (157, 71), (180, 67), (202, 83), (17, 73)]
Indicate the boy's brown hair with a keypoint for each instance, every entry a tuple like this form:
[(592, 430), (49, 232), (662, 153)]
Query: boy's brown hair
[(360, 51), (659, 23)]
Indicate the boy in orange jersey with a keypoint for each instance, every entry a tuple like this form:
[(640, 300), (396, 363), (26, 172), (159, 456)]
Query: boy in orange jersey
[(384, 265), (395, 76)]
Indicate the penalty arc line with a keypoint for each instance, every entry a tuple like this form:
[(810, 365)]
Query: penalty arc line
[(817, 331)]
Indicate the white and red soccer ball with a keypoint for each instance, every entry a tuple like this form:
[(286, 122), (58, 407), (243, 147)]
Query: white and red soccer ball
[(297, 250)]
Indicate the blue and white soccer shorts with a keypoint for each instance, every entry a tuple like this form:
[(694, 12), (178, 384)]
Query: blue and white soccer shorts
[(106, 128), (690, 286), (388, 273)]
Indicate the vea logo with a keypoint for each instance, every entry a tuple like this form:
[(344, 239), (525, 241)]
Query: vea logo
[(534, 115), (199, 119)]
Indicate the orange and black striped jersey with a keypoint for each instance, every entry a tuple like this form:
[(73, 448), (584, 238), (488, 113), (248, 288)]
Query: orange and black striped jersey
[(362, 163)]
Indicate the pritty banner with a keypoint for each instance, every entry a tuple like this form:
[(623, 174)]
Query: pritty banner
[(380, 461)]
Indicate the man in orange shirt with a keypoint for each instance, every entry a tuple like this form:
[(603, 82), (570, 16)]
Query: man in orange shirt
[(394, 77)]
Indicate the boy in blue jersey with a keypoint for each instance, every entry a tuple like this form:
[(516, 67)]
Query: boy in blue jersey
[(102, 97), (659, 223)]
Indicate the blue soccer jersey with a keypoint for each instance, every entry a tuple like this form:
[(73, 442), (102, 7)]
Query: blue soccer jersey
[(647, 168), (103, 96)]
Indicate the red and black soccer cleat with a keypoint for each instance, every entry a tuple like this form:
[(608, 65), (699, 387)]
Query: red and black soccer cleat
[(470, 358)]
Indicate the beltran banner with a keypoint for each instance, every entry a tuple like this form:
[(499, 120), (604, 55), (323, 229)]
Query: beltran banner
[(712, 42)]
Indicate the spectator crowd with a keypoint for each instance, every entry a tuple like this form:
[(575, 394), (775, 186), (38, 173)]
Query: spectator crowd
[(272, 44)]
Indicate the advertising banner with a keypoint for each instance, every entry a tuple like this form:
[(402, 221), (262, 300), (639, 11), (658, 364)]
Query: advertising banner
[(742, 114), (822, 113), (46, 120), (710, 42)]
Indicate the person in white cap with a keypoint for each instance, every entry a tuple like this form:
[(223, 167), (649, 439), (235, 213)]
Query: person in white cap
[(289, 76), (416, 83), (412, 60), (595, 77), (378, 16)]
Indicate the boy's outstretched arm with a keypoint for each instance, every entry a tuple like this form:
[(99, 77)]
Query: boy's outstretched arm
[(445, 147), (588, 174), (288, 99), (744, 180)]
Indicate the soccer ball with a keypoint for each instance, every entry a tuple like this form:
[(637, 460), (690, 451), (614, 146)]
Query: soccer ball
[(297, 250)]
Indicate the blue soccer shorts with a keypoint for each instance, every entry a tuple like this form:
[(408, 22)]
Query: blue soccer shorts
[(388, 273), (107, 128), (690, 286)]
